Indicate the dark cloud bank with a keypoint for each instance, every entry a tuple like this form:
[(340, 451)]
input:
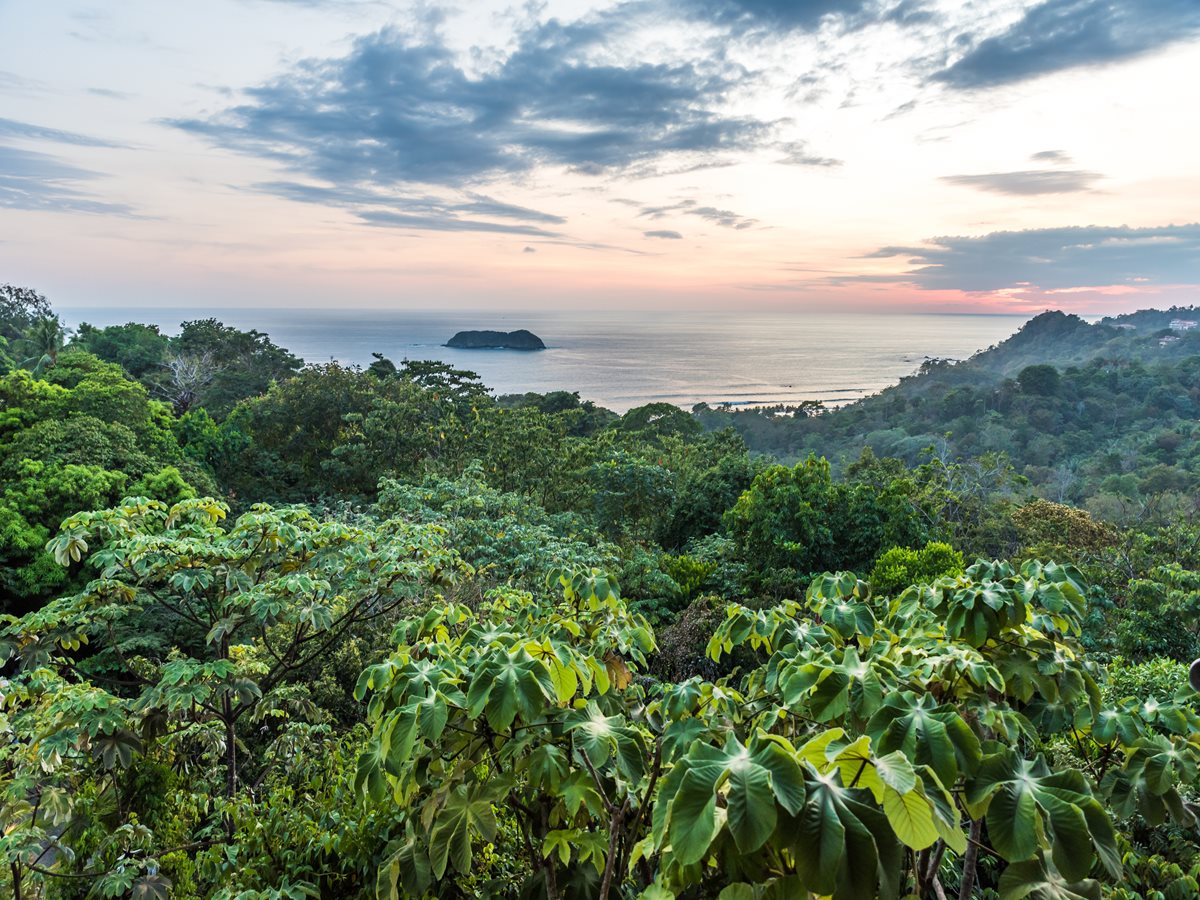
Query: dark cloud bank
[(1053, 258), (1065, 34), (393, 112)]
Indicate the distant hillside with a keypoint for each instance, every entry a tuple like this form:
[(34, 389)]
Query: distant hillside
[(1066, 340), (1084, 411), (1155, 319)]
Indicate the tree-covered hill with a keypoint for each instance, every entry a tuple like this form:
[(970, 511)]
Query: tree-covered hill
[(1088, 413)]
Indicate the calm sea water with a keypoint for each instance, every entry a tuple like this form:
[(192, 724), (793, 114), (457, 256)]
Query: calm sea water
[(622, 360)]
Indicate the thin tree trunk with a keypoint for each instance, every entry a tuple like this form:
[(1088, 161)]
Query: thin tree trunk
[(16, 878), (933, 862), (972, 854), (551, 869), (230, 753), (230, 746), (919, 868), (614, 834)]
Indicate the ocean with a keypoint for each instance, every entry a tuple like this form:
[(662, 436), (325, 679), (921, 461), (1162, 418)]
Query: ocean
[(622, 360)]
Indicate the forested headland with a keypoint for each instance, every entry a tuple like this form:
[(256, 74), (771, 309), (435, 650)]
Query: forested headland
[(275, 630)]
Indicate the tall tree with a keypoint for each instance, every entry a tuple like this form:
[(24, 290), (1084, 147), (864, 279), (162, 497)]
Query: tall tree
[(20, 307), (41, 343)]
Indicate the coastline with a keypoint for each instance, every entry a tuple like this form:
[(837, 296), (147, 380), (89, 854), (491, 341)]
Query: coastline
[(622, 360)]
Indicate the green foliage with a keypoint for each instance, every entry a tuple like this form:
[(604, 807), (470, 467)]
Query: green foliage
[(1042, 380), (233, 365), (20, 308), (711, 472), (502, 535), (659, 597), (335, 430), (583, 416), (796, 521), (1054, 528), (901, 566), (523, 703), (630, 495), (213, 706), (1149, 580), (857, 731), (1161, 616), (656, 421), (141, 350), (689, 573), (40, 343), (1087, 413), (956, 676), (82, 440), (1160, 679), (248, 608)]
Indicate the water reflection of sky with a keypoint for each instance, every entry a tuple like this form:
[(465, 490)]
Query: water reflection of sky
[(621, 360)]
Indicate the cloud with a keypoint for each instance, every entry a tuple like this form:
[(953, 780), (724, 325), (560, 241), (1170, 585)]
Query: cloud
[(395, 111), (420, 212), (37, 181), (11, 128), (1050, 156), (723, 217), (908, 12), (796, 153), (315, 4), (596, 246), (12, 83), (669, 235), (807, 15), (1054, 258), (416, 222), (1065, 34), (109, 94), (482, 205), (1034, 181)]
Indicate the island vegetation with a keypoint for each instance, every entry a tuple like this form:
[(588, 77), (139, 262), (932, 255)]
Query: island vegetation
[(274, 630), (520, 339)]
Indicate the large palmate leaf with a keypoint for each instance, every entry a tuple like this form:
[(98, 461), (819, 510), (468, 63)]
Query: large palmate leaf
[(926, 733), (468, 812), (1157, 767), (1029, 808), (750, 803), (406, 871), (843, 847), (754, 782), (693, 823), (509, 684), (895, 785), (601, 737), (1038, 879), (370, 777)]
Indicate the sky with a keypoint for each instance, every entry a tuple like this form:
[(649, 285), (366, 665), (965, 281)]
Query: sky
[(901, 155)]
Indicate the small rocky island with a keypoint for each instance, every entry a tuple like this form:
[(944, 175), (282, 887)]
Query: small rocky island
[(496, 340)]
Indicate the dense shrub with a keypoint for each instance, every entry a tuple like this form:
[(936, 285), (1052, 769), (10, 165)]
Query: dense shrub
[(902, 566)]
